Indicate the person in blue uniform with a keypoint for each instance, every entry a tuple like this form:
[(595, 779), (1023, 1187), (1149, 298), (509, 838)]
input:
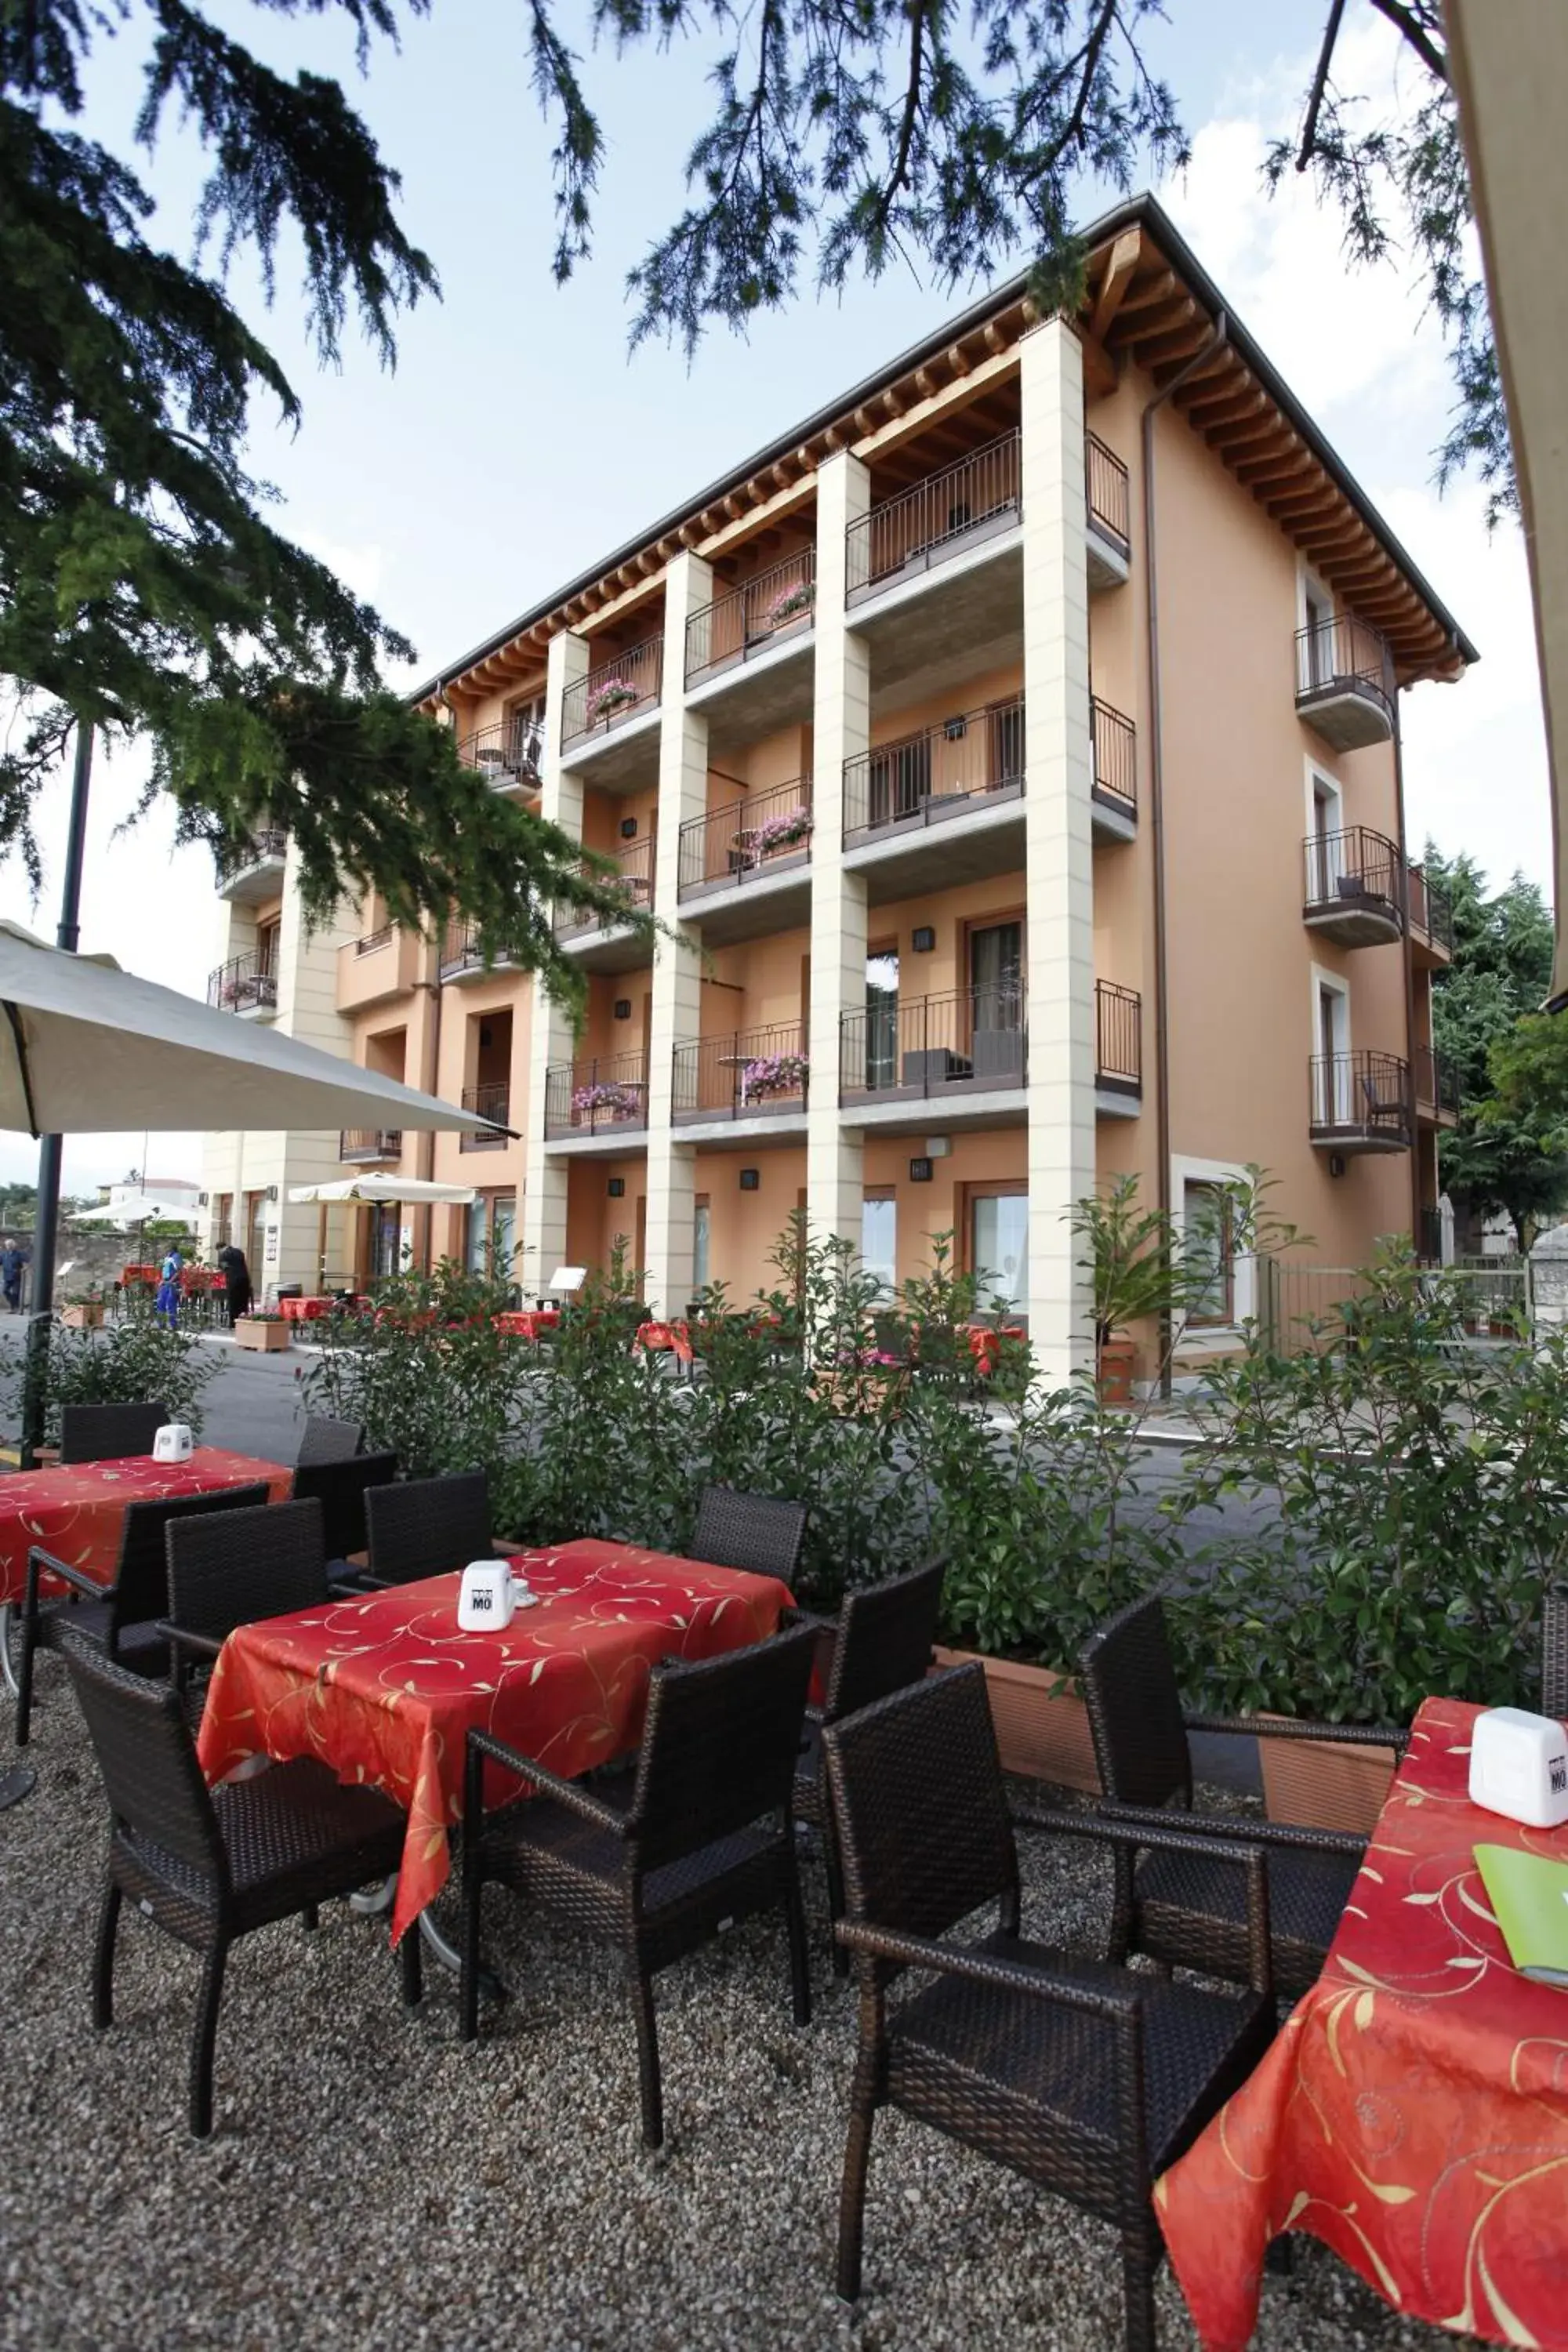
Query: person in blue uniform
[(167, 1306)]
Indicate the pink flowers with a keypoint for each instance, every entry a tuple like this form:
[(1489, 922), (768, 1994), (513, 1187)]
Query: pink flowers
[(611, 694), (773, 1074), (607, 1095), (781, 832), (789, 603)]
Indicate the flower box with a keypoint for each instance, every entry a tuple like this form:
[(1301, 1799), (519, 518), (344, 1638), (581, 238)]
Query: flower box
[(790, 605), (83, 1315), (773, 1074), (1042, 1728), (1318, 1784), (616, 695), (608, 1097), (265, 1333)]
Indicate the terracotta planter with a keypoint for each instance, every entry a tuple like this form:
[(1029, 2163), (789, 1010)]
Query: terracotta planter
[(84, 1315), (267, 1339), (1044, 1737), (1322, 1786), (1118, 1360)]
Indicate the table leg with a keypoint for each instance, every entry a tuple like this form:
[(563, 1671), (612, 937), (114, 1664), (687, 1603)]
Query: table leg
[(447, 1955), (10, 1630), (370, 1902)]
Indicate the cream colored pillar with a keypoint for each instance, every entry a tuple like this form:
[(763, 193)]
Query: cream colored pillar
[(1059, 851), (841, 730), (550, 1037), (676, 968)]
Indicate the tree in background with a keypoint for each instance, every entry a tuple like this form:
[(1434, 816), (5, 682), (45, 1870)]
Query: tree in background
[(1507, 1154), (143, 589)]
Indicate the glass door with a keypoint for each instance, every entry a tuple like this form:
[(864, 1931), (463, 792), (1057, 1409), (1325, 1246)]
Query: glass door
[(999, 1249), (996, 1002), (882, 1018)]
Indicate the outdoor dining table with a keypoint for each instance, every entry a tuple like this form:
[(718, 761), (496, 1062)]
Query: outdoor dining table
[(385, 1687), (1413, 2113), (306, 1310), (527, 1322), (76, 1511)]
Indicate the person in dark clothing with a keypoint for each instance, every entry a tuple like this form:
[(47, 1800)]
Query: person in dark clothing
[(236, 1276), (11, 1264)]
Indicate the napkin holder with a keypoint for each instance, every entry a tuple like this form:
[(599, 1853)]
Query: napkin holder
[(1519, 1766), (485, 1598), (173, 1442)]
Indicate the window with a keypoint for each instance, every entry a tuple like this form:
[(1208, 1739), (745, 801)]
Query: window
[(999, 1247), (266, 942), (477, 1236), (702, 1242), (880, 1236), (883, 1017), (503, 1236), (1331, 1065), (1208, 1244), (1318, 607)]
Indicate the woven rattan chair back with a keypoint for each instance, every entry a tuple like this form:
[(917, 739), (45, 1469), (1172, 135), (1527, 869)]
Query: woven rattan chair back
[(919, 1808), (141, 1593), (109, 1432), (230, 1570), (340, 1487), (428, 1527), (758, 1532), (885, 1637), (330, 1441), (1554, 1651), (1129, 1680), (148, 1761), (719, 1745)]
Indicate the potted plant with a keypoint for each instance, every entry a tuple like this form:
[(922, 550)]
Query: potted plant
[(786, 831), (789, 604), (612, 696), (1133, 1256), (84, 1310), (773, 1075), (610, 1096), (266, 1333)]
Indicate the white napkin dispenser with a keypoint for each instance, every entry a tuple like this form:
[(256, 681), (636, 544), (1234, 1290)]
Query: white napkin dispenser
[(485, 1602), (173, 1443), (1519, 1766)]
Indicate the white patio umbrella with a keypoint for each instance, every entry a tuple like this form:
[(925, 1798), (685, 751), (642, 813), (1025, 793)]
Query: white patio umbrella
[(411, 1189), (88, 1049), (136, 1209)]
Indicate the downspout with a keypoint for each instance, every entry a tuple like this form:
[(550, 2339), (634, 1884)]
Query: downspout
[(1205, 351), (1416, 1203)]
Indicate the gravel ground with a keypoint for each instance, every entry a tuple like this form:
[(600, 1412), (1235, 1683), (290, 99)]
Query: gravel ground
[(371, 2181)]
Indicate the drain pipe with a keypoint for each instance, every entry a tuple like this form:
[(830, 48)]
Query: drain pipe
[(1204, 352)]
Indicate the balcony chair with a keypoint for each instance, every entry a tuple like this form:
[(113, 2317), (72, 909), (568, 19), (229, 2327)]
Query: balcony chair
[(759, 1532), (119, 1620), (704, 1833), (882, 1644), (209, 1866), (1087, 2077), (232, 1571), (1554, 1652), (329, 1440), (340, 1487), (1183, 1909), (109, 1432), (427, 1527), (1382, 1110)]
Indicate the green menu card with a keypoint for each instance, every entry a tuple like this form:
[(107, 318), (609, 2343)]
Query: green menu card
[(1528, 1896)]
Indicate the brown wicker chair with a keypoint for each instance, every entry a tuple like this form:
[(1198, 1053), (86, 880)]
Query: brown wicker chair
[(1186, 1909), (209, 1866), (427, 1527), (231, 1570), (758, 1532), (109, 1432), (340, 1487), (688, 1846), (883, 1644), (121, 1619), (330, 1441), (1554, 1651), (1087, 2078)]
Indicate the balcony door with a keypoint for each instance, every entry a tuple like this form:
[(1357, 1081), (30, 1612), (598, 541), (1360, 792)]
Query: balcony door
[(997, 1246), (900, 781), (996, 1001), (882, 1017), (1004, 727)]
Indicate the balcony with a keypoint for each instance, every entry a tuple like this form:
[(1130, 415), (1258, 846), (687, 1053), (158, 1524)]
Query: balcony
[(745, 868), (1108, 514), (246, 984), (255, 874), (607, 718), (949, 515), (486, 1102), (966, 1048), (1118, 1050), (363, 1145), (463, 956), (1360, 1102), (770, 609), (1353, 892), (1113, 793), (749, 1077), (1438, 1094), (598, 1102), (510, 754), (384, 964), (1431, 920), (1344, 682), (939, 806), (600, 945)]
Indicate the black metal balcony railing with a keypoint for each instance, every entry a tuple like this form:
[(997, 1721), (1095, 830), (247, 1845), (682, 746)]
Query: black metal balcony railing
[(270, 841), (632, 879), (938, 518), (1437, 1080), (1115, 757), (615, 691), (1118, 1037), (597, 1095), (1340, 653), (461, 951), (371, 941), (362, 1143), (763, 833), (509, 752), (1361, 1096), (492, 1101), (925, 777), (771, 605), (971, 1039), (1352, 868), (1107, 493), (246, 983), (1431, 912), (748, 1073)]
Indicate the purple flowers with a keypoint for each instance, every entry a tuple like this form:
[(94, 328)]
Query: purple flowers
[(607, 1094), (781, 832), (773, 1074), (789, 603)]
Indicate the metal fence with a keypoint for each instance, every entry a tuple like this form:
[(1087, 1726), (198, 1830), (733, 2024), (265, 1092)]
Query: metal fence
[(615, 691), (597, 1095), (509, 752), (770, 606), (924, 777), (1118, 1037), (745, 838), (969, 1038), (1342, 651), (493, 1101), (1107, 492), (246, 983), (1471, 1302), (633, 877), (1115, 756), (937, 519), (746, 1073)]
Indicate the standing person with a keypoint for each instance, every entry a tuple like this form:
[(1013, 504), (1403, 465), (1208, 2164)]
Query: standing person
[(167, 1306), (11, 1264), (236, 1276)]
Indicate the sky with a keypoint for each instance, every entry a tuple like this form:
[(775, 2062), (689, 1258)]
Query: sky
[(517, 438)]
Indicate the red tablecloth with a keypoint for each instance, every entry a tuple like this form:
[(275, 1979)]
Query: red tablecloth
[(674, 1339), (75, 1513), (1414, 2112), (305, 1310), (528, 1322), (385, 1689)]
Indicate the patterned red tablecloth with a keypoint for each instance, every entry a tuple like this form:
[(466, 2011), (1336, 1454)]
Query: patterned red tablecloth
[(527, 1322), (305, 1310), (1414, 2112), (385, 1689), (75, 1513)]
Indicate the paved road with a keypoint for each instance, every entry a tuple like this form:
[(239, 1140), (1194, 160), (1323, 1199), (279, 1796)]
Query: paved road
[(252, 1404)]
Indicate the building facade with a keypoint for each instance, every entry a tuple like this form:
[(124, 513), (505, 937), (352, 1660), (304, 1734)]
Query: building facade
[(1012, 756)]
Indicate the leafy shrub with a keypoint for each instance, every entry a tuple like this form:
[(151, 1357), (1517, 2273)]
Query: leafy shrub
[(126, 1362)]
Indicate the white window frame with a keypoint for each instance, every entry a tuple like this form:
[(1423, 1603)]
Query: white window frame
[(1243, 1270), (1338, 987)]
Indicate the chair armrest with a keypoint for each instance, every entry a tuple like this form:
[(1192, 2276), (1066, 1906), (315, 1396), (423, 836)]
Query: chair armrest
[(1245, 1827), (483, 1743), (1260, 1726), (1042, 1984), (345, 1588), (181, 1637), (44, 1563)]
